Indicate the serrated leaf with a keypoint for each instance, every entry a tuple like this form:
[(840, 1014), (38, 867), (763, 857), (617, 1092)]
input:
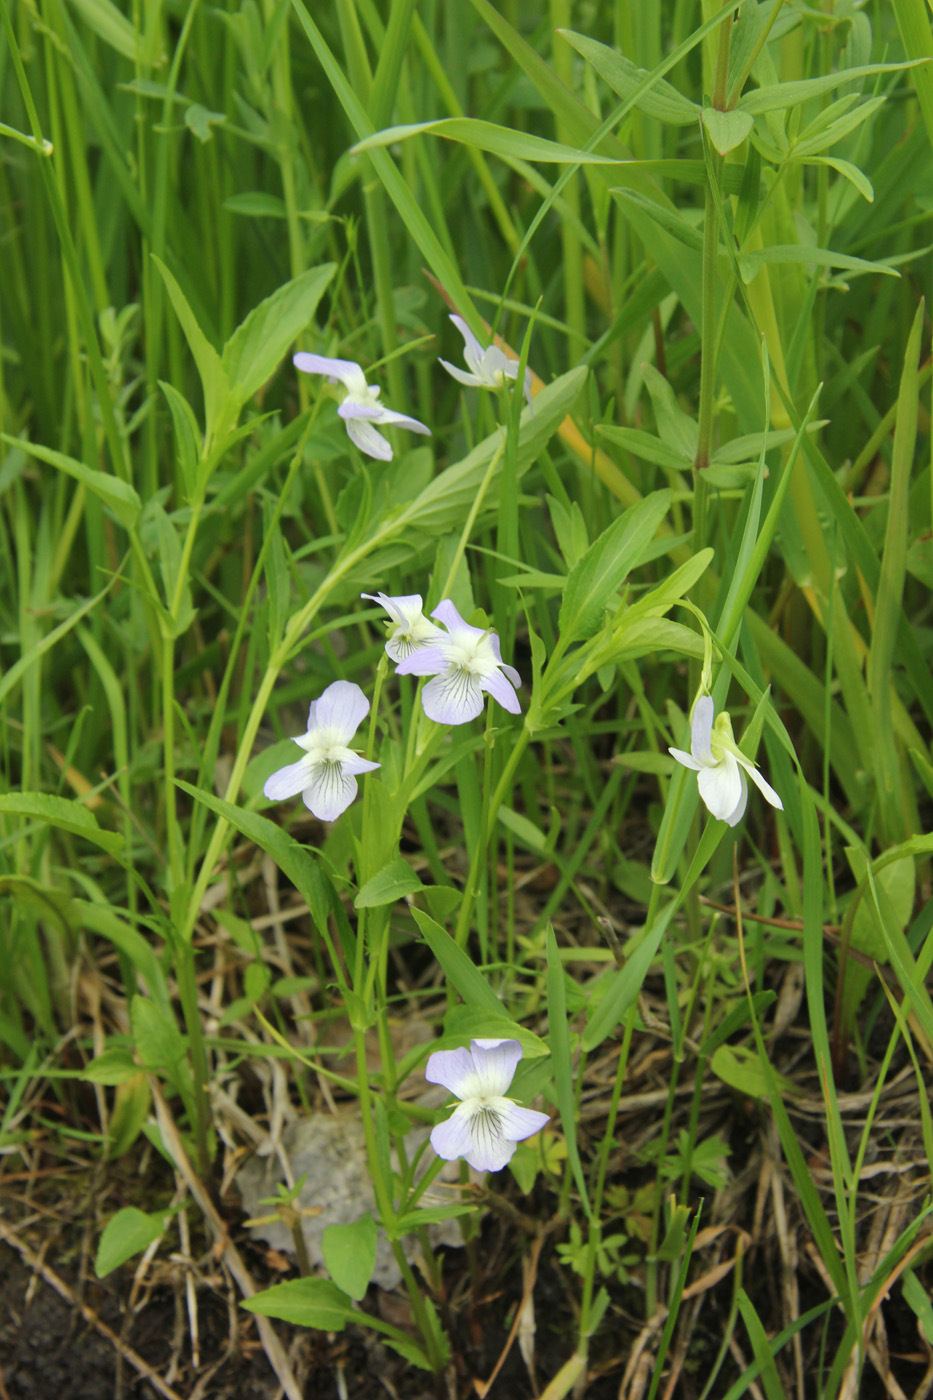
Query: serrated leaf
[(119, 495), (63, 813), (129, 1232), (350, 1254), (604, 567)]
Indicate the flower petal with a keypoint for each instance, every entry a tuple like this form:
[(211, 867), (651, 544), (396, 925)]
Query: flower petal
[(446, 612), (738, 812), (494, 1062), (352, 408), (402, 420), (686, 759), (765, 788), (472, 381), (329, 792), (472, 350), (490, 1150), (499, 688), (342, 707), (453, 697), (426, 661), (453, 1139), (721, 787), (287, 782), (701, 729), (356, 764), (347, 371), (454, 1069), (368, 440), (520, 1123)]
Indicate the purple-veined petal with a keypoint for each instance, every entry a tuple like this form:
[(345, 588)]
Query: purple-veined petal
[(329, 792), (368, 440), (453, 697), (721, 787), (519, 1123), (764, 787), (490, 1150), (686, 759), (426, 661), (287, 782), (472, 381), (499, 688), (701, 729), (341, 707), (453, 1138), (347, 371), (455, 1070), (494, 1063)]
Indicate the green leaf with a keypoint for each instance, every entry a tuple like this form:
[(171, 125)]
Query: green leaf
[(459, 968), (465, 1023), (667, 219), (119, 495), (750, 264), (306, 1302), (647, 447), (256, 347), (775, 97), (256, 205), (110, 25), (188, 442), (625, 983), (662, 101), (159, 1042), (393, 882), (111, 1067), (726, 130), (350, 1254), (604, 567), (129, 1232), (200, 119), (740, 1068), (497, 140), (210, 367), (99, 918), (919, 1300), (562, 1061), (63, 813)]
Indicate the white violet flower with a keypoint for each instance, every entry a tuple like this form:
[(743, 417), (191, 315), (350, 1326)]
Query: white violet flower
[(360, 408), (720, 765), (464, 662), (485, 1127), (488, 368), (409, 630), (325, 776)]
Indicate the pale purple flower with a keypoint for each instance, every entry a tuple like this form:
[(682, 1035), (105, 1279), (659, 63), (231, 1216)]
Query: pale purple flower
[(464, 662), (325, 776), (720, 765), (489, 368), (360, 408), (410, 629), (485, 1127)]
